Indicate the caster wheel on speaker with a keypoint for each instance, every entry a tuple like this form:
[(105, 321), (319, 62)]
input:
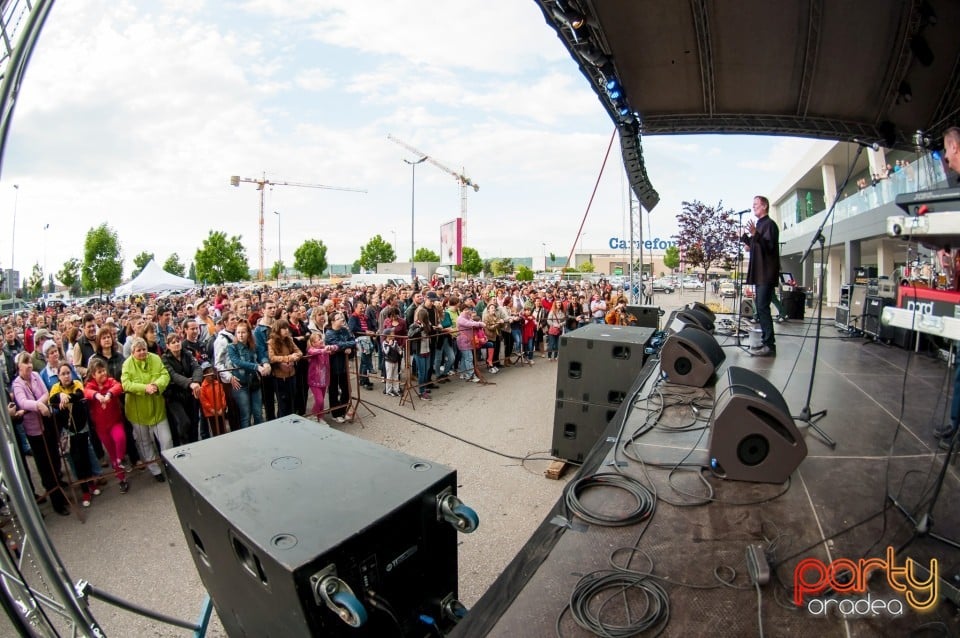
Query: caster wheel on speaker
[(467, 519), (351, 610)]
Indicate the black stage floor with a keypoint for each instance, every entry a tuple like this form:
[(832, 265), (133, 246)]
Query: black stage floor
[(882, 403)]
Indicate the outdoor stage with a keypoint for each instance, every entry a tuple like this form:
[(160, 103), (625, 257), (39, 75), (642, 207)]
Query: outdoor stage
[(883, 403)]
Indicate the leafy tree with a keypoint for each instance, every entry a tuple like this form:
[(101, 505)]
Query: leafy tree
[(708, 236), (671, 257), (553, 258), (586, 266), (220, 259), (140, 261), (472, 264), (356, 267), (34, 285), (69, 276), (425, 254), (377, 251), (502, 267), (488, 265), (102, 264), (277, 270), (193, 272), (524, 273), (311, 258), (173, 266), (51, 287)]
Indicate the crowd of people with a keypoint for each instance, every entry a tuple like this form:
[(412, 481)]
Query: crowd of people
[(104, 387)]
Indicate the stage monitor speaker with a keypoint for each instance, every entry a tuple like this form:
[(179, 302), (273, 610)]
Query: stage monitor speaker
[(794, 303), (748, 308), (691, 316), (644, 316), (842, 320), (702, 308), (752, 435), (690, 357), (287, 517)]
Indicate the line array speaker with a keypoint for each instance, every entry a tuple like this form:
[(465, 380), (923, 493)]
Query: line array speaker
[(752, 435), (690, 357)]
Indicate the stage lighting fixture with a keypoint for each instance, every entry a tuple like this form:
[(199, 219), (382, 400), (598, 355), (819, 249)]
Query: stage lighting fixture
[(905, 92), (573, 19), (593, 55)]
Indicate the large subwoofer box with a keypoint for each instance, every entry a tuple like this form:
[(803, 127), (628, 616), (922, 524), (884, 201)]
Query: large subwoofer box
[(752, 435), (597, 365), (273, 512), (690, 357)]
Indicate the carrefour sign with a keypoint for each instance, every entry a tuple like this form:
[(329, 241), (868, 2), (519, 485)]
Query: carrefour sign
[(649, 244)]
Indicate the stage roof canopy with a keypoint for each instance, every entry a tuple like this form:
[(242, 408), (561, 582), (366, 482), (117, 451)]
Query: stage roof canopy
[(877, 70)]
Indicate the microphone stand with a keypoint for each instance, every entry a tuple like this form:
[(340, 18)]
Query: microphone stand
[(739, 313), (807, 415)]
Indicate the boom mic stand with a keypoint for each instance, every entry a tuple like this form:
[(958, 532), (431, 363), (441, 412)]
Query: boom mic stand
[(807, 415), (738, 315)]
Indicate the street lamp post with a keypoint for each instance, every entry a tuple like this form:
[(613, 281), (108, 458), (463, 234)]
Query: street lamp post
[(279, 255), (413, 191), (396, 248), (13, 234), (544, 244), (45, 228)]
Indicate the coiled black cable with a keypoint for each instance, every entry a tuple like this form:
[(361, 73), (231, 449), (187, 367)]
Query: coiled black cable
[(644, 498), (594, 592)]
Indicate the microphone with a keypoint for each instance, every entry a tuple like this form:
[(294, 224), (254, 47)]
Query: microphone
[(742, 212), (866, 144)]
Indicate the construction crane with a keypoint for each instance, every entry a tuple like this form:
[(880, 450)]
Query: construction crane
[(262, 182), (464, 181)]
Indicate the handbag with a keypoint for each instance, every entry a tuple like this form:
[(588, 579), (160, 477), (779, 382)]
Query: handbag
[(554, 331)]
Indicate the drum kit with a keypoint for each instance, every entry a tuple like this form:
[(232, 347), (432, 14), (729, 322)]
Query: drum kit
[(937, 272)]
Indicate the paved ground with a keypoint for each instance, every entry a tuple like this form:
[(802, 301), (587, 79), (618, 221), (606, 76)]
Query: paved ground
[(132, 545)]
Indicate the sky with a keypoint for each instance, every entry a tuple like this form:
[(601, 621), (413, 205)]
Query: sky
[(137, 113)]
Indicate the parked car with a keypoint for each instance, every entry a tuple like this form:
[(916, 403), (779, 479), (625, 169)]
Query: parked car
[(728, 289), (662, 285), (693, 284)]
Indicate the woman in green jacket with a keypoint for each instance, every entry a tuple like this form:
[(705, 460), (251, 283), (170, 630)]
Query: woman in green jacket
[(144, 379)]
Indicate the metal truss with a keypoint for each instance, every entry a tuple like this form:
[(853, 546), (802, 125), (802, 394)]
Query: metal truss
[(810, 54)]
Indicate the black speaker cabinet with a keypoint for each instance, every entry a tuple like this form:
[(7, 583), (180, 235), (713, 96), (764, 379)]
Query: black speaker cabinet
[(748, 308), (277, 514), (703, 309), (597, 365), (577, 427), (690, 357), (874, 305), (752, 435), (643, 316), (843, 317), (793, 303)]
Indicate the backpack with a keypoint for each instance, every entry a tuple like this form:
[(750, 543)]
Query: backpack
[(213, 398)]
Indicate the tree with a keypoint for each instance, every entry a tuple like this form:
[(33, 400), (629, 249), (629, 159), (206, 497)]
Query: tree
[(69, 276), (425, 254), (173, 266), (553, 258), (277, 270), (377, 251), (671, 257), (472, 264), (102, 263), (140, 261), (311, 258), (193, 272), (355, 267), (524, 273), (34, 286), (220, 259), (708, 236), (586, 266), (500, 267), (51, 287)]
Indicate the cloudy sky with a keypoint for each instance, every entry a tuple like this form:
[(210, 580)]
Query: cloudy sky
[(137, 113)]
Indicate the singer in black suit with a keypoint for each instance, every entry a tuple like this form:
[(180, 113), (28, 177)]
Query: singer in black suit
[(763, 239)]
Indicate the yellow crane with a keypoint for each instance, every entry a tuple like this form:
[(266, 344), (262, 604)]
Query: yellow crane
[(464, 181), (263, 182)]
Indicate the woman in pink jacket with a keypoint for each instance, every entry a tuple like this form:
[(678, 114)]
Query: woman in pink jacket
[(468, 327), (103, 398)]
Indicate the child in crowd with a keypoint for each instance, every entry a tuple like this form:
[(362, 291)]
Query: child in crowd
[(70, 413), (318, 374), (528, 333), (103, 396), (392, 353)]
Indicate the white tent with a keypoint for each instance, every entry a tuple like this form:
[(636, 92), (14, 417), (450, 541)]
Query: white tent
[(153, 278)]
